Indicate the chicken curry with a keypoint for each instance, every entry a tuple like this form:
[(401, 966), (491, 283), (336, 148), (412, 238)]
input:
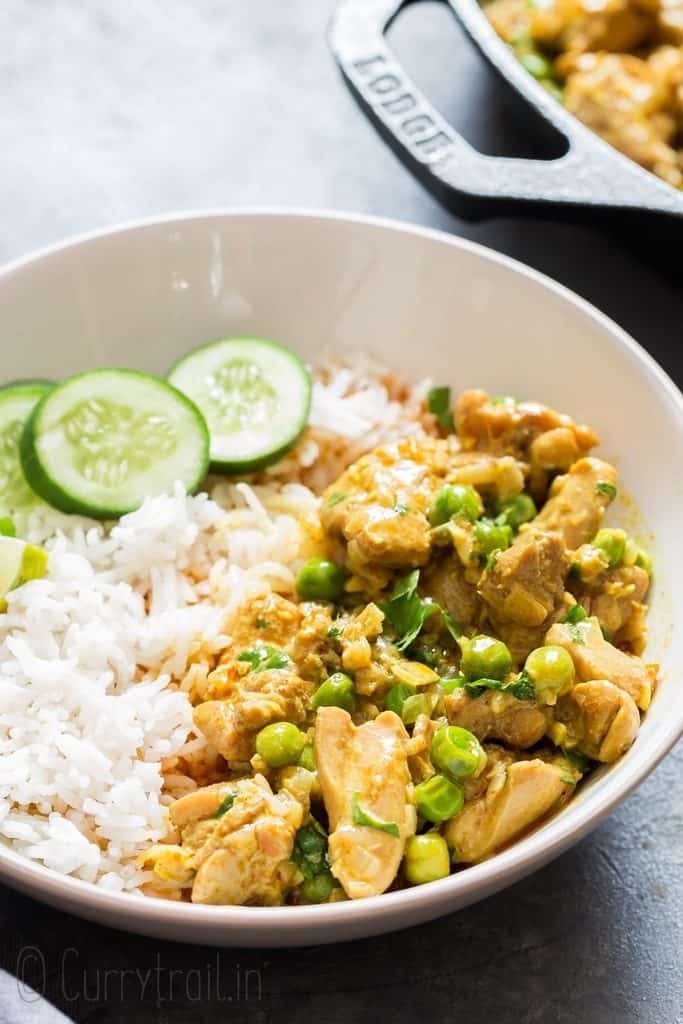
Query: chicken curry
[(616, 64), (464, 647)]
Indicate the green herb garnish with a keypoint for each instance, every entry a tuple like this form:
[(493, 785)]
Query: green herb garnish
[(310, 850), (225, 805), (334, 631), (262, 657), (522, 687), (439, 404), (581, 763), (577, 613), (362, 816), (406, 611), (335, 498), (604, 487)]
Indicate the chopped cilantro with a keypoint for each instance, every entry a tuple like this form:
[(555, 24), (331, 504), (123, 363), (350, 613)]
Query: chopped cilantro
[(262, 657), (406, 611), (491, 560), (405, 586), (577, 760), (334, 631), (225, 805), (310, 850), (577, 613), (522, 687), (439, 404), (453, 627), (606, 488), (335, 499), (362, 816)]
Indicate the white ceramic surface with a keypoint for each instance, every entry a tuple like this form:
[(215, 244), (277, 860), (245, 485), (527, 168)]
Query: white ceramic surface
[(425, 303)]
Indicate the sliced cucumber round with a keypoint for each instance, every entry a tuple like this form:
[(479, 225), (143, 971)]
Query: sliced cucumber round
[(101, 442), (255, 395), (16, 404)]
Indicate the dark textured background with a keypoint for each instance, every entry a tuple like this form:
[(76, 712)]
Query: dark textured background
[(110, 111)]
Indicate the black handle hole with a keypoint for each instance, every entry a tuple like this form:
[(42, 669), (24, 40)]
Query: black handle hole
[(428, 40)]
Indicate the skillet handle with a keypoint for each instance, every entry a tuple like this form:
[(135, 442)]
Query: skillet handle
[(588, 178)]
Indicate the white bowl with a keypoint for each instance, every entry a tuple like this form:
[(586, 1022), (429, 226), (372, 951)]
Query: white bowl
[(426, 304)]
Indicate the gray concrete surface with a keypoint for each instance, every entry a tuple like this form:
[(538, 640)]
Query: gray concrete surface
[(110, 111)]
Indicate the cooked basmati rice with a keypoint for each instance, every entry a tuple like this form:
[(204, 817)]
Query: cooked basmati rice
[(96, 658)]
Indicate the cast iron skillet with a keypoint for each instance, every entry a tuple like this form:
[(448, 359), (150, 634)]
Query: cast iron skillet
[(591, 179)]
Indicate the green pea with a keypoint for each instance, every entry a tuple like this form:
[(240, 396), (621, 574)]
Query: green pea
[(484, 657), (397, 696), (516, 511), (536, 65), (492, 536), (438, 799), (551, 670), (426, 858), (280, 743), (336, 692), (307, 758), (319, 888), (457, 753), (413, 707), (612, 543), (320, 579), (455, 500)]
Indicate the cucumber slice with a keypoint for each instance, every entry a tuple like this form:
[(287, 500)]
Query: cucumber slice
[(255, 395), (103, 441), (16, 404), (28, 382)]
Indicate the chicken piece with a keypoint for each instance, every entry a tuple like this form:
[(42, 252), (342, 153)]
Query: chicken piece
[(254, 701), (358, 631), (575, 25), (445, 582), (309, 648), (268, 618), (619, 96), (510, 18), (596, 658), (666, 63), (364, 767), (670, 22), (523, 590), (379, 505), (615, 598), (497, 716), (236, 841), (615, 25), (577, 502), (510, 427), (602, 721), (517, 796)]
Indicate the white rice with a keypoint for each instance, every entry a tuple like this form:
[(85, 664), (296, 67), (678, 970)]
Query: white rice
[(93, 658)]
